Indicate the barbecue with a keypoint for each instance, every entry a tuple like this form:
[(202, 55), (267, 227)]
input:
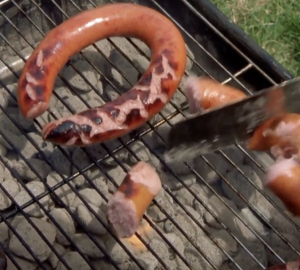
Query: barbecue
[(211, 213)]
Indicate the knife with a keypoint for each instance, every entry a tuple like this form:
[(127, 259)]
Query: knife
[(234, 123)]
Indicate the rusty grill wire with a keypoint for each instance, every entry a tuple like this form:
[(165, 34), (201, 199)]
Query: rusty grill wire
[(152, 128)]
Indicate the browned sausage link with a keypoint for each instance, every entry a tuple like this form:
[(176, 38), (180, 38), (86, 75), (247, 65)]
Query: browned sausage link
[(155, 88), (204, 93), (280, 134)]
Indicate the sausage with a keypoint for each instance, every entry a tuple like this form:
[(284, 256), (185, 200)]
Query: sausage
[(204, 93), (114, 119), (280, 134), (128, 204), (283, 180)]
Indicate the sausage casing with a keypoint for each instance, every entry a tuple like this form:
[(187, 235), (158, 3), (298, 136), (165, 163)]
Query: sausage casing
[(117, 118), (204, 93)]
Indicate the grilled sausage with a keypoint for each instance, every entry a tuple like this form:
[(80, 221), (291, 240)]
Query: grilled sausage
[(284, 181), (280, 134), (204, 93), (128, 204), (151, 93)]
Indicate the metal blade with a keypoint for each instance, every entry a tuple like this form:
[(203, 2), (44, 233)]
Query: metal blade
[(226, 125)]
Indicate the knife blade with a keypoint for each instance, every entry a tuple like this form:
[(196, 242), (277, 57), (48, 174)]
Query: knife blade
[(233, 123)]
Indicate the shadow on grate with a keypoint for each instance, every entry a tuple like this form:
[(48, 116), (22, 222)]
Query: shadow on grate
[(213, 213)]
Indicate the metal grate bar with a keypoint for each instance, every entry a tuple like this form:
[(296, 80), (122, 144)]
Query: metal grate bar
[(152, 127)]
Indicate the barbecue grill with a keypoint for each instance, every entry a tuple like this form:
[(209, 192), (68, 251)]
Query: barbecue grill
[(213, 213)]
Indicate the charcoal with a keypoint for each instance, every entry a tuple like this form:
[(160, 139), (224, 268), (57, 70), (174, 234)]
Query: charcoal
[(147, 260), (243, 258), (36, 188), (13, 188), (74, 260), (91, 223), (282, 225), (253, 221), (118, 254), (102, 264), (141, 151), (80, 159), (185, 197), (26, 173), (222, 212), (118, 175), (281, 248), (89, 195), (22, 263), (76, 81), (100, 183), (64, 192), (225, 241), (53, 259), (176, 243), (33, 239), (166, 202), (88, 247), (60, 162), (31, 151), (160, 248), (64, 219), (209, 249), (239, 182), (4, 236)]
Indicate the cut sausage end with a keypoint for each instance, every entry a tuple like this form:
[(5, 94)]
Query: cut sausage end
[(146, 175), (121, 213), (280, 168), (36, 110), (192, 94), (132, 109)]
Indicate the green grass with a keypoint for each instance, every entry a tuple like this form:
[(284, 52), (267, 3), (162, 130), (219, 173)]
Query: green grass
[(273, 24)]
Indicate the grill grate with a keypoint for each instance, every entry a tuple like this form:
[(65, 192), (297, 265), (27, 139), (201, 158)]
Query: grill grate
[(234, 227)]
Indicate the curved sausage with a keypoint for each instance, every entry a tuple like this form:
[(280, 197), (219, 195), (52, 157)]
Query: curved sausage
[(129, 203), (284, 181), (280, 134), (204, 93), (151, 93)]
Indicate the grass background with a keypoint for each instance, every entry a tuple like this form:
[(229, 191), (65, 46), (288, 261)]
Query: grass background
[(273, 24)]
